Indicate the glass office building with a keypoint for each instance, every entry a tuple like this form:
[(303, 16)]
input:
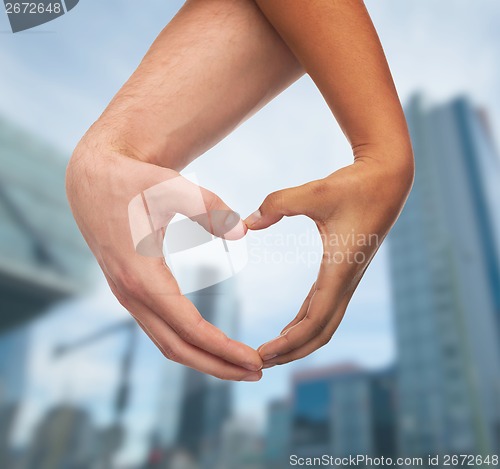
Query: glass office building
[(445, 278), (13, 351), (311, 410), (277, 440), (342, 411), (64, 438), (43, 257)]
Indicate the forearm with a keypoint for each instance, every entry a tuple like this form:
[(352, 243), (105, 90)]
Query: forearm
[(197, 83), (338, 46)]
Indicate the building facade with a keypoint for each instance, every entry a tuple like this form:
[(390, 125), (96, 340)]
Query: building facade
[(343, 411), (194, 407), (65, 438), (242, 445), (445, 279), (277, 437), (43, 257)]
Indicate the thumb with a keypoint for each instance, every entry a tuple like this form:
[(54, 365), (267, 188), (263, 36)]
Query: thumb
[(152, 210), (284, 203), (179, 195), (219, 219)]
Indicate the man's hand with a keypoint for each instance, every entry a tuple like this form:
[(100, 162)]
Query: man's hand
[(354, 209), (101, 183), (214, 65)]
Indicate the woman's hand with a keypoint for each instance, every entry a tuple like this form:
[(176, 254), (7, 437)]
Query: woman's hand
[(354, 209), (101, 183)]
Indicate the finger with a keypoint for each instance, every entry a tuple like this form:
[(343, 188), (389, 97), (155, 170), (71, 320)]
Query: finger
[(153, 285), (323, 335), (175, 349), (183, 317), (190, 325), (316, 343), (302, 312), (286, 202), (319, 312), (153, 209), (219, 219), (329, 291)]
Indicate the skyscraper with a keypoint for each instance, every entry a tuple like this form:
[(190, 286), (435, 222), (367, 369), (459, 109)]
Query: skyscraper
[(43, 257), (343, 410), (446, 286), (13, 355), (241, 445), (195, 406), (13, 351), (277, 438), (65, 438)]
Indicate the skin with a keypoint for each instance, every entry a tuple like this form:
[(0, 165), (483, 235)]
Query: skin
[(337, 45), (214, 65)]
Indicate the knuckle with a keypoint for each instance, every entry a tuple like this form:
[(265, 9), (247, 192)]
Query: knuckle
[(170, 352), (225, 345), (188, 333), (318, 324), (324, 338), (212, 201), (285, 338), (286, 344), (274, 201), (128, 284), (122, 298)]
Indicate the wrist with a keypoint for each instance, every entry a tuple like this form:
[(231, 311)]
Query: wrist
[(392, 163), (108, 136), (90, 158)]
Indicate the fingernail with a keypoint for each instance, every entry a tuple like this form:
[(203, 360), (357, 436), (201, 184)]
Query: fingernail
[(253, 366), (269, 365), (231, 220), (252, 377), (269, 357), (253, 218)]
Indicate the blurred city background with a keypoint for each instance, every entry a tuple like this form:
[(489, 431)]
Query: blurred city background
[(414, 369)]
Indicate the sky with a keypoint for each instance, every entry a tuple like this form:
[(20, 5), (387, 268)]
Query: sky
[(57, 79)]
